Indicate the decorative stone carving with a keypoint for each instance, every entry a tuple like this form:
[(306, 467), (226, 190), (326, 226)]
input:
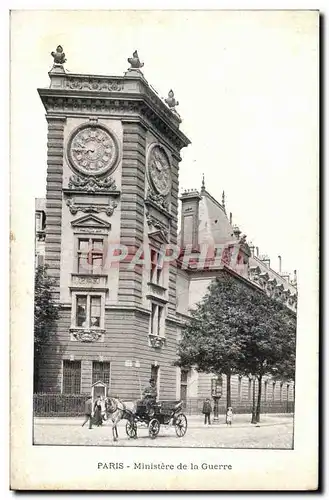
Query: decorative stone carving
[(90, 230), (159, 170), (89, 280), (135, 62), (86, 280), (92, 183), (153, 222), (89, 335), (171, 101), (158, 199), (92, 149), (156, 341), (89, 209), (59, 56), (122, 106), (96, 84)]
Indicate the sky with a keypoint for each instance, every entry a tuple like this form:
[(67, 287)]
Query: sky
[(247, 86)]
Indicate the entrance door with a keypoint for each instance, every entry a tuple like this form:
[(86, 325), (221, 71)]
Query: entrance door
[(183, 385), (155, 375)]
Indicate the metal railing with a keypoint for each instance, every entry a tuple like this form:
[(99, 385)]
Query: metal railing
[(194, 406), (72, 405)]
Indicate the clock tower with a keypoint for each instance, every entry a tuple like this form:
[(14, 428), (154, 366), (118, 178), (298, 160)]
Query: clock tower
[(111, 207)]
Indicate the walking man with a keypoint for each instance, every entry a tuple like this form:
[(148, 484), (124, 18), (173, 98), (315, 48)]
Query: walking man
[(88, 412), (207, 410)]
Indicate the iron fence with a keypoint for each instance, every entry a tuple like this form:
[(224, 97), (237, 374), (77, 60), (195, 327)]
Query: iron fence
[(59, 405), (194, 406), (72, 405)]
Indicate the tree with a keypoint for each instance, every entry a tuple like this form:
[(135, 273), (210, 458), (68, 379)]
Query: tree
[(238, 329), (268, 345), (211, 338), (45, 316)]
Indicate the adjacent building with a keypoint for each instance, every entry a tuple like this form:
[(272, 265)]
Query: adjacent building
[(111, 206)]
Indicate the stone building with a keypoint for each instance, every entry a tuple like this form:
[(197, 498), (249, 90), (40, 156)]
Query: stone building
[(111, 206), (215, 245), (40, 231)]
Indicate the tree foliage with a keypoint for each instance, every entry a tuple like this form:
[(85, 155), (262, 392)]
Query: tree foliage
[(45, 314), (238, 329)]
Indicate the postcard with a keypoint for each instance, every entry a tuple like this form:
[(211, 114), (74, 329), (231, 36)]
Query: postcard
[(164, 249)]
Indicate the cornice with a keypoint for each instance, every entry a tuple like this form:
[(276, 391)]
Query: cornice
[(118, 105)]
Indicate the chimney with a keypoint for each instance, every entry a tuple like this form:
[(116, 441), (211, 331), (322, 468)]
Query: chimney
[(190, 199), (231, 218), (280, 263), (257, 251)]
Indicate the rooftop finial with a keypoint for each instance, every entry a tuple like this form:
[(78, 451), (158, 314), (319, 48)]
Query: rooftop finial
[(203, 186), (170, 100), (223, 201), (59, 56), (135, 62)]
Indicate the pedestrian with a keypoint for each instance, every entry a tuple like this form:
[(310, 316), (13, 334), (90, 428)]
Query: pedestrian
[(207, 410), (98, 412), (229, 415), (88, 412)]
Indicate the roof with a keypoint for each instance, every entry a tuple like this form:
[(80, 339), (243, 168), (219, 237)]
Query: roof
[(214, 226)]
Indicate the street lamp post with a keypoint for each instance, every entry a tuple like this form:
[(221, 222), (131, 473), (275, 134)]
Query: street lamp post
[(216, 393)]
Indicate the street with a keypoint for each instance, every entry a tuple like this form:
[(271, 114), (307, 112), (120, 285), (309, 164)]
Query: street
[(274, 432)]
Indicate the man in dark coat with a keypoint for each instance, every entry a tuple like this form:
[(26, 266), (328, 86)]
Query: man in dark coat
[(149, 397), (150, 391), (207, 410), (88, 412)]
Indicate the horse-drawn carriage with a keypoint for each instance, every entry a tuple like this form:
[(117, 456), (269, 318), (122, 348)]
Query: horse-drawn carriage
[(155, 414)]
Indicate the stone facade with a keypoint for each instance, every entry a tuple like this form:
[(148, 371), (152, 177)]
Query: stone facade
[(112, 179), (112, 187)]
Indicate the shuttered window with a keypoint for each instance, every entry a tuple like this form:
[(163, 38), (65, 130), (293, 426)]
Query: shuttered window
[(71, 377)]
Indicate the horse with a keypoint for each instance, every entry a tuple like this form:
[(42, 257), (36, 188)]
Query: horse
[(116, 410)]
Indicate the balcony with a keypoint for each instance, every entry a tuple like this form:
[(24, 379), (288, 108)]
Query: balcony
[(87, 334), (156, 341), (97, 282), (157, 292)]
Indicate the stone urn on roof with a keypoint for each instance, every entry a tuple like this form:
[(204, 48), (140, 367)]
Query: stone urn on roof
[(135, 64), (59, 60)]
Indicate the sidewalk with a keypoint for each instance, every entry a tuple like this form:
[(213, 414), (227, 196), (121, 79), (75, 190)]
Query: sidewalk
[(193, 421)]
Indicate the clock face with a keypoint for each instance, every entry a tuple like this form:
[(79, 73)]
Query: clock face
[(159, 170), (92, 150)]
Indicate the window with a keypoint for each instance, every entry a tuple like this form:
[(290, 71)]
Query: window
[(155, 369), (90, 255), (71, 377), (153, 315), (156, 319), (156, 267), (155, 373), (101, 371), (160, 313), (88, 311)]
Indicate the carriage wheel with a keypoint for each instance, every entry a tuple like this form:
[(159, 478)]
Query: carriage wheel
[(181, 425), (154, 428), (131, 429)]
